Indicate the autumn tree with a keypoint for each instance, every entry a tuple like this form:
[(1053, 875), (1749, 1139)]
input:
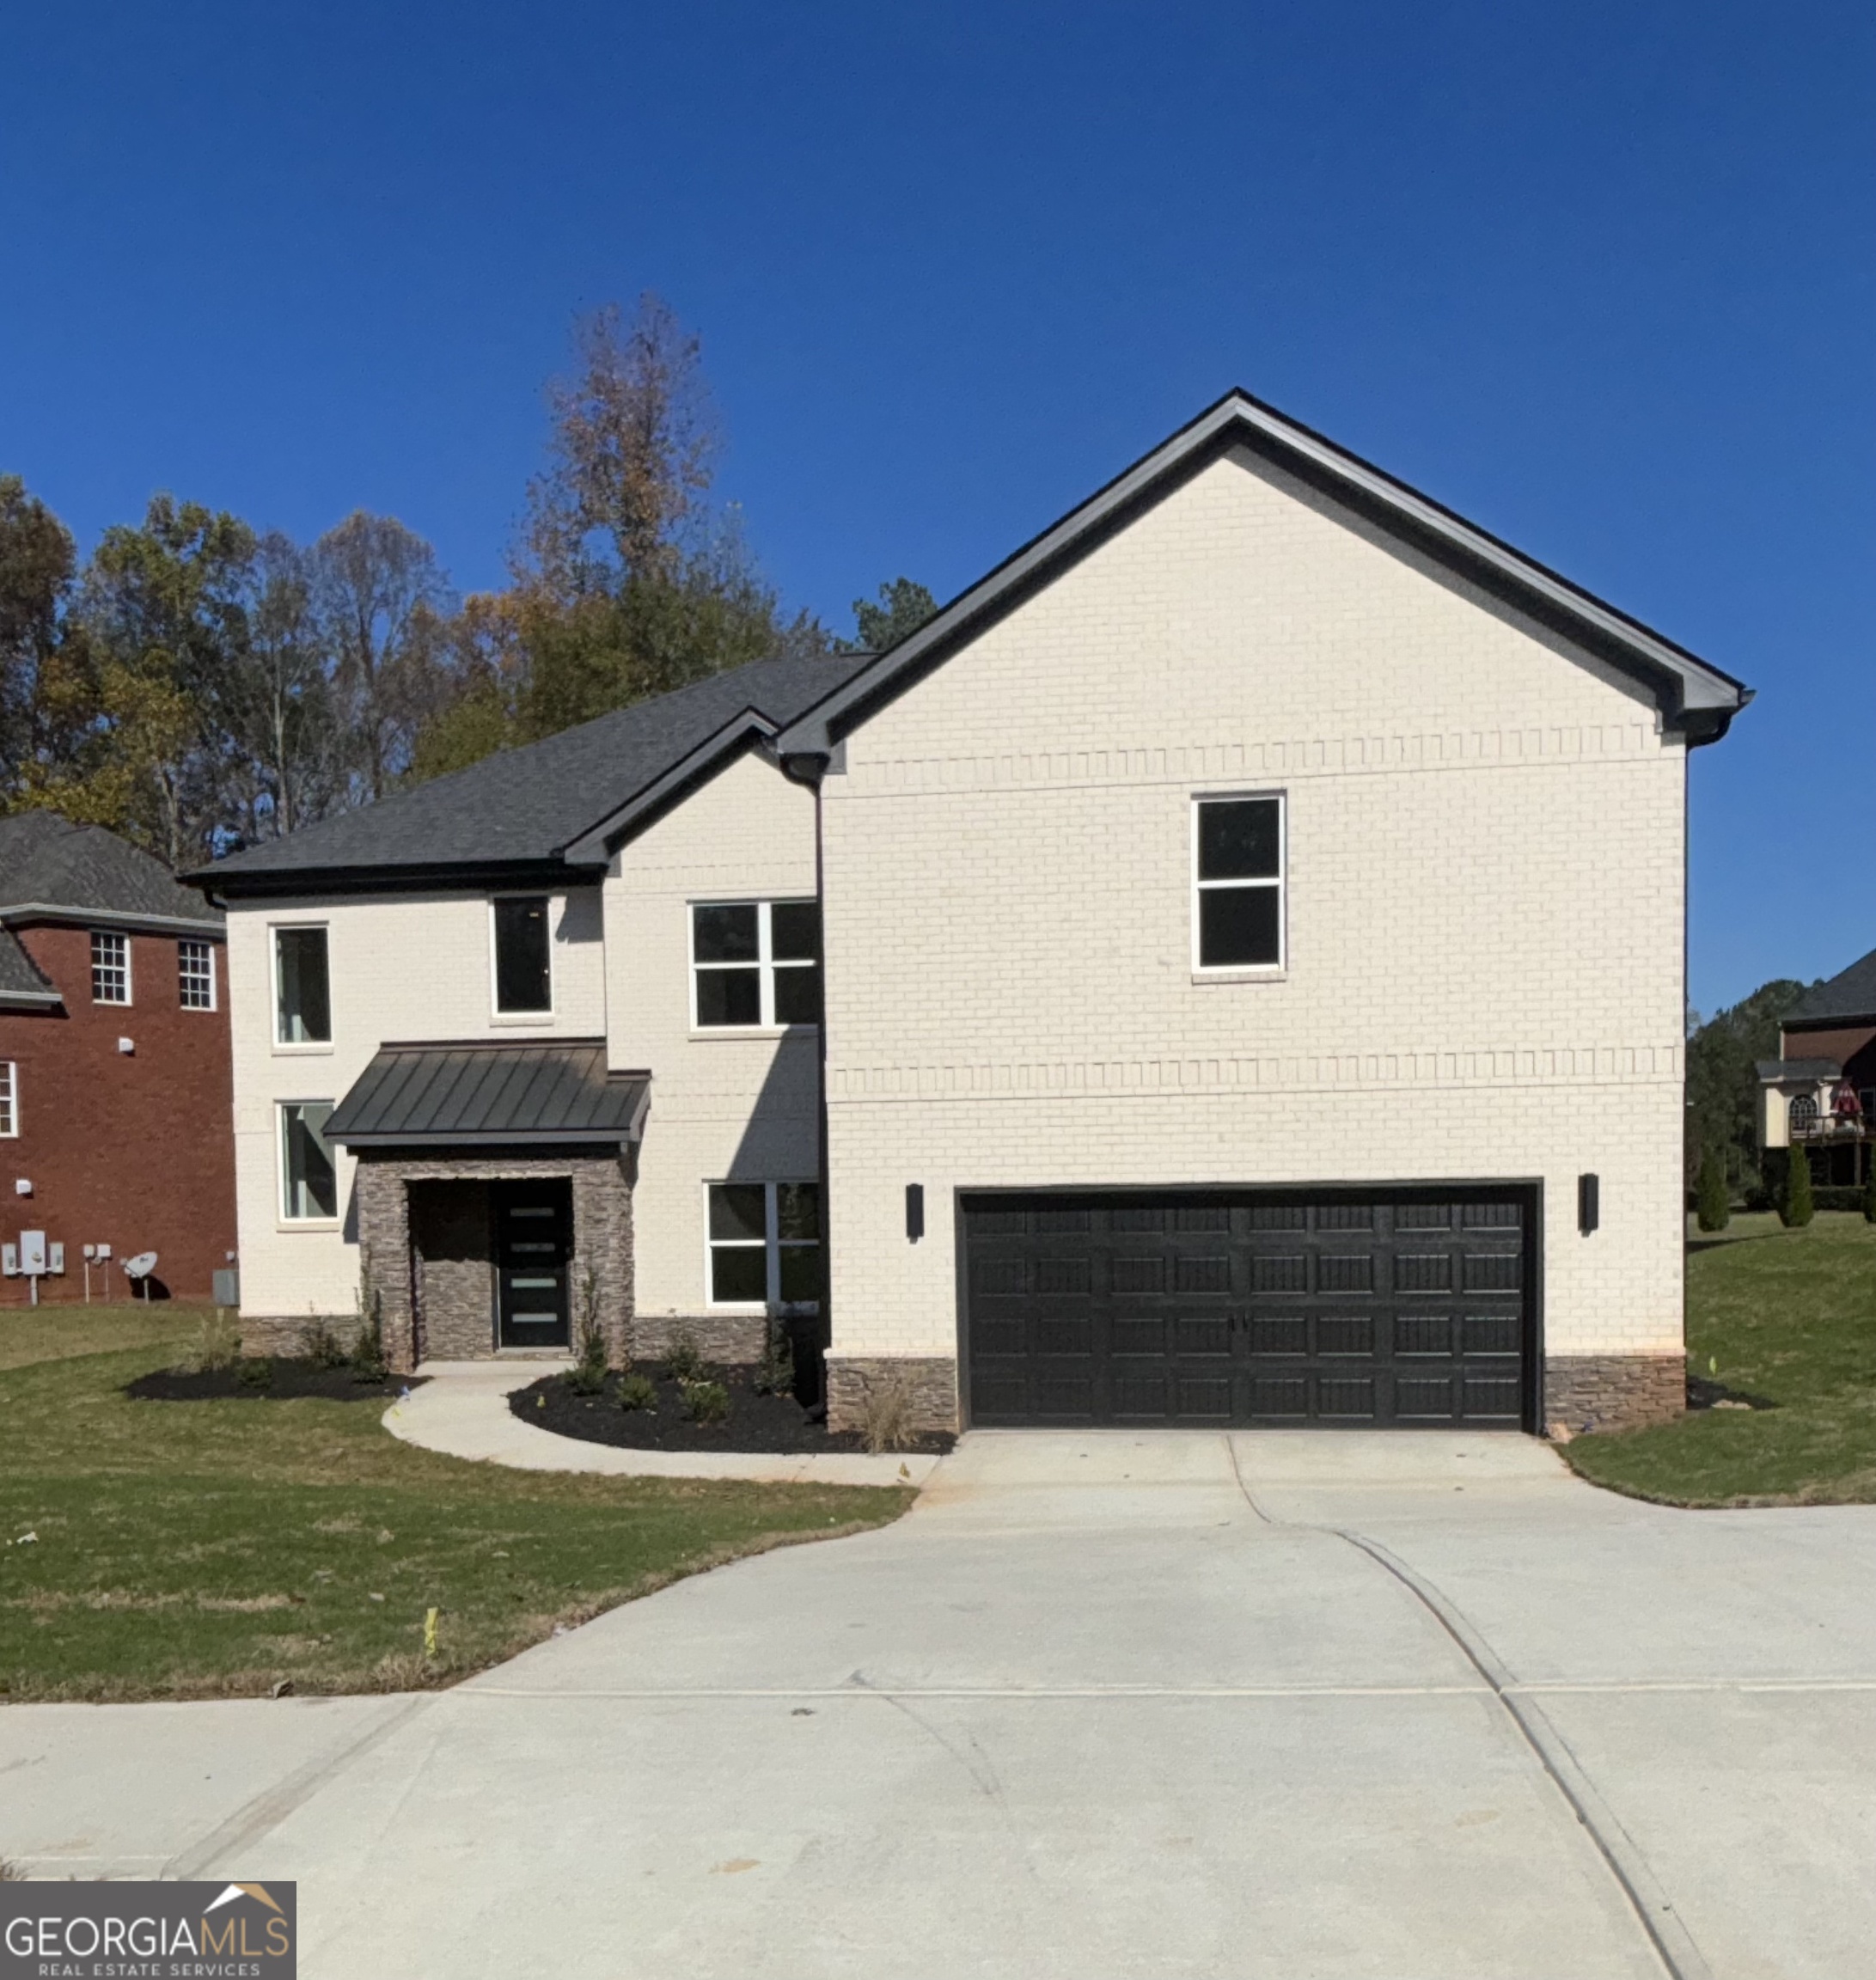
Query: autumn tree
[(37, 562)]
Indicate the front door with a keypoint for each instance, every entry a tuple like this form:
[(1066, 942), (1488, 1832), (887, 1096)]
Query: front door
[(533, 1241)]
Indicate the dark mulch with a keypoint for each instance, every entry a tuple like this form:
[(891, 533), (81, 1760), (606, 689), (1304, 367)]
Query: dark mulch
[(756, 1421), (286, 1377), (1704, 1394)]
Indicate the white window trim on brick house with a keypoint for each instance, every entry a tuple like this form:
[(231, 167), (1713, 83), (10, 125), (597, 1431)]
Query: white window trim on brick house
[(285, 1217), (772, 1245), (549, 1012), (764, 964), (108, 936), (1204, 971), (186, 979), (305, 1047), (9, 1099)]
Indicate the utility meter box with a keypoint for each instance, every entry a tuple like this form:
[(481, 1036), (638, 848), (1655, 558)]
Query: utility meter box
[(56, 1256), (33, 1253), (9, 1261)]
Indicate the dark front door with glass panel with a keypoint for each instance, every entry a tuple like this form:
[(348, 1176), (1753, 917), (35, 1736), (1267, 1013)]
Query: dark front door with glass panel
[(534, 1244)]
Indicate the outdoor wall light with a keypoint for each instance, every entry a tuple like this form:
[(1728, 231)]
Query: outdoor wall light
[(1589, 1203), (914, 1212)]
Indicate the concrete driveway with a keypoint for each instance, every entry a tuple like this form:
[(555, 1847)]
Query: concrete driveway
[(1100, 1707)]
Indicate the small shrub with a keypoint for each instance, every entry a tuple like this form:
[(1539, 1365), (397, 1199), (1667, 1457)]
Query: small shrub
[(774, 1373), (217, 1345), (323, 1348), (682, 1362), (586, 1377), (1795, 1207), (887, 1415), (256, 1372), (367, 1356), (1714, 1212), (637, 1391), (706, 1402)]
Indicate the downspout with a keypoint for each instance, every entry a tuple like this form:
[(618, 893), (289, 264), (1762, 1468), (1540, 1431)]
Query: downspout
[(809, 768)]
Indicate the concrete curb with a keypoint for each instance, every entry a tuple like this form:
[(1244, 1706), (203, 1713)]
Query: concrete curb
[(462, 1411)]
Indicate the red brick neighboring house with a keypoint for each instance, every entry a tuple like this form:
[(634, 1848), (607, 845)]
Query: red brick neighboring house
[(115, 1093)]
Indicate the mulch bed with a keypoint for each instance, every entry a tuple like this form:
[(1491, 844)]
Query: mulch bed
[(757, 1422), (287, 1376)]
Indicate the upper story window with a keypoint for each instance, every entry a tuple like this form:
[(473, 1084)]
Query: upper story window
[(755, 963), (524, 955), (195, 974), (110, 969), (9, 1099), (303, 988), (1238, 879)]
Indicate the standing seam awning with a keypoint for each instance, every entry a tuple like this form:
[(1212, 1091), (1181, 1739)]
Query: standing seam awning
[(429, 1096)]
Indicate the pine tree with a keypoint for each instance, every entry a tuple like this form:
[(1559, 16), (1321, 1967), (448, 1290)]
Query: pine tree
[(1795, 1209), (1714, 1211)]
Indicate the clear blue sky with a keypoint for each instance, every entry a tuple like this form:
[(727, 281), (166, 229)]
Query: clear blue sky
[(1599, 276)]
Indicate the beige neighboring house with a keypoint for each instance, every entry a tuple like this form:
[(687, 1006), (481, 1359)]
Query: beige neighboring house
[(1233, 957)]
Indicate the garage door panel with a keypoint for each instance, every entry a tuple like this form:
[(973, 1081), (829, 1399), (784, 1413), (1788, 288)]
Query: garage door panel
[(1344, 1307)]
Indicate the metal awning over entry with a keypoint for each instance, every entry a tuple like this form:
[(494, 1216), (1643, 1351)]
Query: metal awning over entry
[(493, 1095)]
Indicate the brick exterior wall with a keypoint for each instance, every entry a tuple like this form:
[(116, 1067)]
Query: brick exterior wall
[(932, 1380), (1484, 912), (1614, 1391), (131, 1150)]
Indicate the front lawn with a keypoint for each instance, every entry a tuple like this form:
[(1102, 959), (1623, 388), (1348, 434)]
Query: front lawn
[(1785, 1316), (209, 1550)]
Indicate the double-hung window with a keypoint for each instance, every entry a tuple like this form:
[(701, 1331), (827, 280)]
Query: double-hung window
[(303, 988), (308, 1183), (195, 974), (9, 1099), (755, 963), (110, 969), (765, 1245), (1237, 904), (524, 955)]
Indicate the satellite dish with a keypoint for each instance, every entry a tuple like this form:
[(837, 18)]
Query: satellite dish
[(141, 1266)]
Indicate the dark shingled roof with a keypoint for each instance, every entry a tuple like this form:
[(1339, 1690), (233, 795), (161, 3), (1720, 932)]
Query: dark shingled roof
[(21, 981), (511, 1094), (528, 804), (82, 870), (1845, 998)]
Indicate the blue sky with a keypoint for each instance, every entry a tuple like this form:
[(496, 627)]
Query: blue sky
[(1599, 276)]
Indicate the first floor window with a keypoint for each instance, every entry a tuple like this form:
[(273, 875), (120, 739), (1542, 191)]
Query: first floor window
[(1237, 858), (9, 1099), (195, 974), (756, 962), (303, 988), (308, 1185), (523, 970), (110, 969), (765, 1245)]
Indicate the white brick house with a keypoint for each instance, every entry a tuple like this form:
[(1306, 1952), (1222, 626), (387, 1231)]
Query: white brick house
[(1252, 943)]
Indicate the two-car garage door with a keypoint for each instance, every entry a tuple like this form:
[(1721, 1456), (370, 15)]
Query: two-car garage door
[(1358, 1308)]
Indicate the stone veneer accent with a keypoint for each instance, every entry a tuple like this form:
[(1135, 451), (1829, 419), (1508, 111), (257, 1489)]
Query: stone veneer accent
[(724, 1338), (934, 1388), (397, 1282), (1614, 1391)]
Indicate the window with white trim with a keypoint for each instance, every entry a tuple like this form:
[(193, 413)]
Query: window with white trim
[(1237, 883), (308, 1180), (110, 968), (523, 953), (9, 1099), (302, 987), (195, 974), (755, 964), (765, 1245)]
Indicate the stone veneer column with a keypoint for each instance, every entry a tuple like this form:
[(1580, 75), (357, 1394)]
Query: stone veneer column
[(603, 1245), (931, 1379), (384, 1260), (1613, 1391)]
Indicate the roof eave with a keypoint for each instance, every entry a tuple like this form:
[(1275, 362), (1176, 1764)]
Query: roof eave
[(595, 845), (65, 912)]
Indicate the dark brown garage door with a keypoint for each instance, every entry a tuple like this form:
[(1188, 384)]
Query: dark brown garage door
[(1407, 1307)]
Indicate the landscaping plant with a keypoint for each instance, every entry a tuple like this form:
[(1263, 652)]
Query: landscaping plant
[(323, 1348), (217, 1345), (706, 1401), (682, 1362), (586, 1377), (776, 1372), (637, 1391), (1714, 1211), (886, 1415), (1795, 1207)]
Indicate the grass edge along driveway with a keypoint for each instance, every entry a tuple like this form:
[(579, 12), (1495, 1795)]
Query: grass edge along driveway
[(1785, 1316), (221, 1549)]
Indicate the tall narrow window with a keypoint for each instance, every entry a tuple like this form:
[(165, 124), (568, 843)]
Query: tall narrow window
[(110, 969), (1237, 855), (301, 986), (523, 964), (765, 1245), (195, 974), (308, 1186), (9, 1099), (756, 964)]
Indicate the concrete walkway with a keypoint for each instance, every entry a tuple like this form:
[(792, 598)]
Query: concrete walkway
[(1098, 1706), (463, 1410)]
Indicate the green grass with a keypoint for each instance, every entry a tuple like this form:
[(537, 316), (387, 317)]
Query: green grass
[(1789, 1315), (50, 1333), (212, 1549)]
